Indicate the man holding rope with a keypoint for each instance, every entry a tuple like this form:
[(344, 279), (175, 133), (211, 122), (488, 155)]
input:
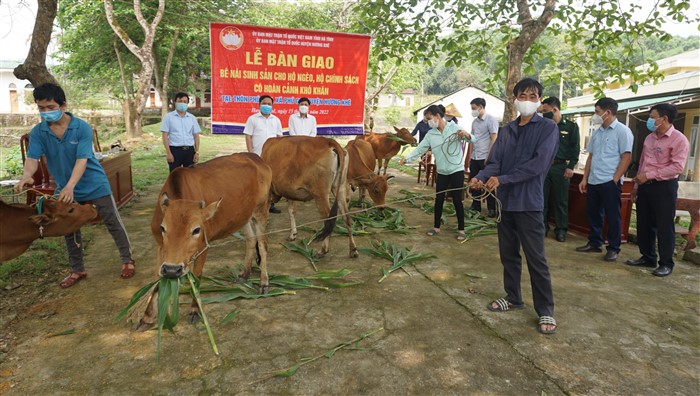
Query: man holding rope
[(517, 166), (444, 139), (66, 141)]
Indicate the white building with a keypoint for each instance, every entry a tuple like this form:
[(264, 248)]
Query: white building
[(461, 99), (13, 91), (407, 98)]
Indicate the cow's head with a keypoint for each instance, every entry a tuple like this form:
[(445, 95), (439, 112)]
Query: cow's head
[(377, 186), (405, 135), (59, 218), (184, 234)]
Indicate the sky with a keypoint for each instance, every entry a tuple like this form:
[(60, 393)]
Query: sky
[(17, 22)]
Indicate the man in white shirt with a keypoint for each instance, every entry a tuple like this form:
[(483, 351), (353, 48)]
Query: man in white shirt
[(260, 127), (180, 134), (302, 123)]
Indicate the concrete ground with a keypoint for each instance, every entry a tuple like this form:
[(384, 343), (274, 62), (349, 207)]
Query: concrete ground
[(621, 330)]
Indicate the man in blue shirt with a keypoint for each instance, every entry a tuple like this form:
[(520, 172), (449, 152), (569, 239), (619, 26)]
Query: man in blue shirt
[(609, 155), (517, 165), (180, 134), (485, 131), (421, 128), (66, 142)]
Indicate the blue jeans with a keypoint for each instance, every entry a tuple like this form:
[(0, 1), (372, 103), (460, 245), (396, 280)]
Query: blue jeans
[(604, 200)]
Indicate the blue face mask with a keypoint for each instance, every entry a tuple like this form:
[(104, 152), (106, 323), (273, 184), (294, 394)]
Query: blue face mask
[(51, 116), (181, 107), (266, 109), (651, 124)]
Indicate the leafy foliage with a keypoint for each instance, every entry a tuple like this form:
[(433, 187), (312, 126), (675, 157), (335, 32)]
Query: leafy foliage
[(399, 257)]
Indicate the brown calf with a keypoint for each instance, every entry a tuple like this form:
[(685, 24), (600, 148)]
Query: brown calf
[(361, 172), (199, 205), (387, 145), (22, 224)]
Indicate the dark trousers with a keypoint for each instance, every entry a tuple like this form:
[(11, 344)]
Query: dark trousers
[(656, 210), (447, 182), (558, 185), (107, 209), (475, 166), (525, 228), (604, 200), (183, 155)]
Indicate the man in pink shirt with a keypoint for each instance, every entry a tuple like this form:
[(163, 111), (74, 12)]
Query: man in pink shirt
[(656, 189)]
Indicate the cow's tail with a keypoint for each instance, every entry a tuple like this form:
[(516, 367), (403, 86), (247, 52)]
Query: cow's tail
[(338, 188)]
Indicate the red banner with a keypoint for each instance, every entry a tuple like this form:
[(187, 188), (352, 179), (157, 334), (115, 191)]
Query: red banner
[(249, 61)]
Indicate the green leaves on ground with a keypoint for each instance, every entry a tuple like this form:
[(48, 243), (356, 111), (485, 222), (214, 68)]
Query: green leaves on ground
[(399, 257), (348, 345), (302, 247)]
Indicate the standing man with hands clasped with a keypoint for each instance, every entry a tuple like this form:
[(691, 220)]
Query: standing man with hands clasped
[(517, 165), (260, 127), (656, 189), (302, 123), (66, 143), (562, 169), (609, 155), (180, 134)]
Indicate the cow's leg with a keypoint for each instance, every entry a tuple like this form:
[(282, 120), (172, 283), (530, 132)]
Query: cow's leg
[(343, 211), (324, 209), (249, 234), (292, 209), (386, 164), (261, 239), (379, 166), (363, 191), (194, 316), (149, 316)]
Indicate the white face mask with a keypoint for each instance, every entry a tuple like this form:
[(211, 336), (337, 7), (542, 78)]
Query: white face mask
[(597, 120), (475, 113), (432, 124), (448, 118), (526, 108), (303, 109)]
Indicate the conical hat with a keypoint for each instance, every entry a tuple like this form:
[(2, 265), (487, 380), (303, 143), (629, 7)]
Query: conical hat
[(451, 110)]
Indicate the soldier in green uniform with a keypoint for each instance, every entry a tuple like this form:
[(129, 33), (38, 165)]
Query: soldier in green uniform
[(562, 169)]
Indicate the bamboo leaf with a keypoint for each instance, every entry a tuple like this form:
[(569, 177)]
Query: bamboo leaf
[(230, 317), (64, 332), (135, 299)]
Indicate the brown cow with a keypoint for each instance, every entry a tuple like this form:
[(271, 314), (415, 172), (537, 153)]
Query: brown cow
[(22, 224), (387, 145), (202, 204), (361, 172), (308, 168)]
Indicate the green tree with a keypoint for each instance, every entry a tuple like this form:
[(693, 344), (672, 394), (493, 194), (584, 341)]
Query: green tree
[(508, 31)]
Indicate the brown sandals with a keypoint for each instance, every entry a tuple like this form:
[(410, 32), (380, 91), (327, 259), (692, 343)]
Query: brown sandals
[(72, 279), (128, 269)]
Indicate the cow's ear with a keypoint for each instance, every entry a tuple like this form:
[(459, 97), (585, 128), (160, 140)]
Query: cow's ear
[(164, 201), (389, 177), (396, 129), (210, 210), (42, 219)]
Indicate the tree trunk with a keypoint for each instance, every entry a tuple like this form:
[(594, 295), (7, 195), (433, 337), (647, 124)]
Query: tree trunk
[(131, 119), (34, 67), (143, 53), (515, 63)]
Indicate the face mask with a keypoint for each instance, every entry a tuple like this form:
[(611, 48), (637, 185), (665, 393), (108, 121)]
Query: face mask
[(303, 109), (596, 120), (651, 124), (51, 116), (266, 109), (526, 108), (549, 114), (448, 118), (475, 113), (181, 107), (432, 124)]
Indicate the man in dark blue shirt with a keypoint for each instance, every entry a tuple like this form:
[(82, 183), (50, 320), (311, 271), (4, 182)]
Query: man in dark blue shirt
[(421, 128), (517, 166)]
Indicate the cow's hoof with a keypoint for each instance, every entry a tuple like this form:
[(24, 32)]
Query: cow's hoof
[(319, 255), (193, 317), (292, 238), (264, 289), (353, 253), (241, 280), (143, 326)]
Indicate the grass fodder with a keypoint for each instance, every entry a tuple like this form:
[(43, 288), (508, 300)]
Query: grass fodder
[(399, 257)]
